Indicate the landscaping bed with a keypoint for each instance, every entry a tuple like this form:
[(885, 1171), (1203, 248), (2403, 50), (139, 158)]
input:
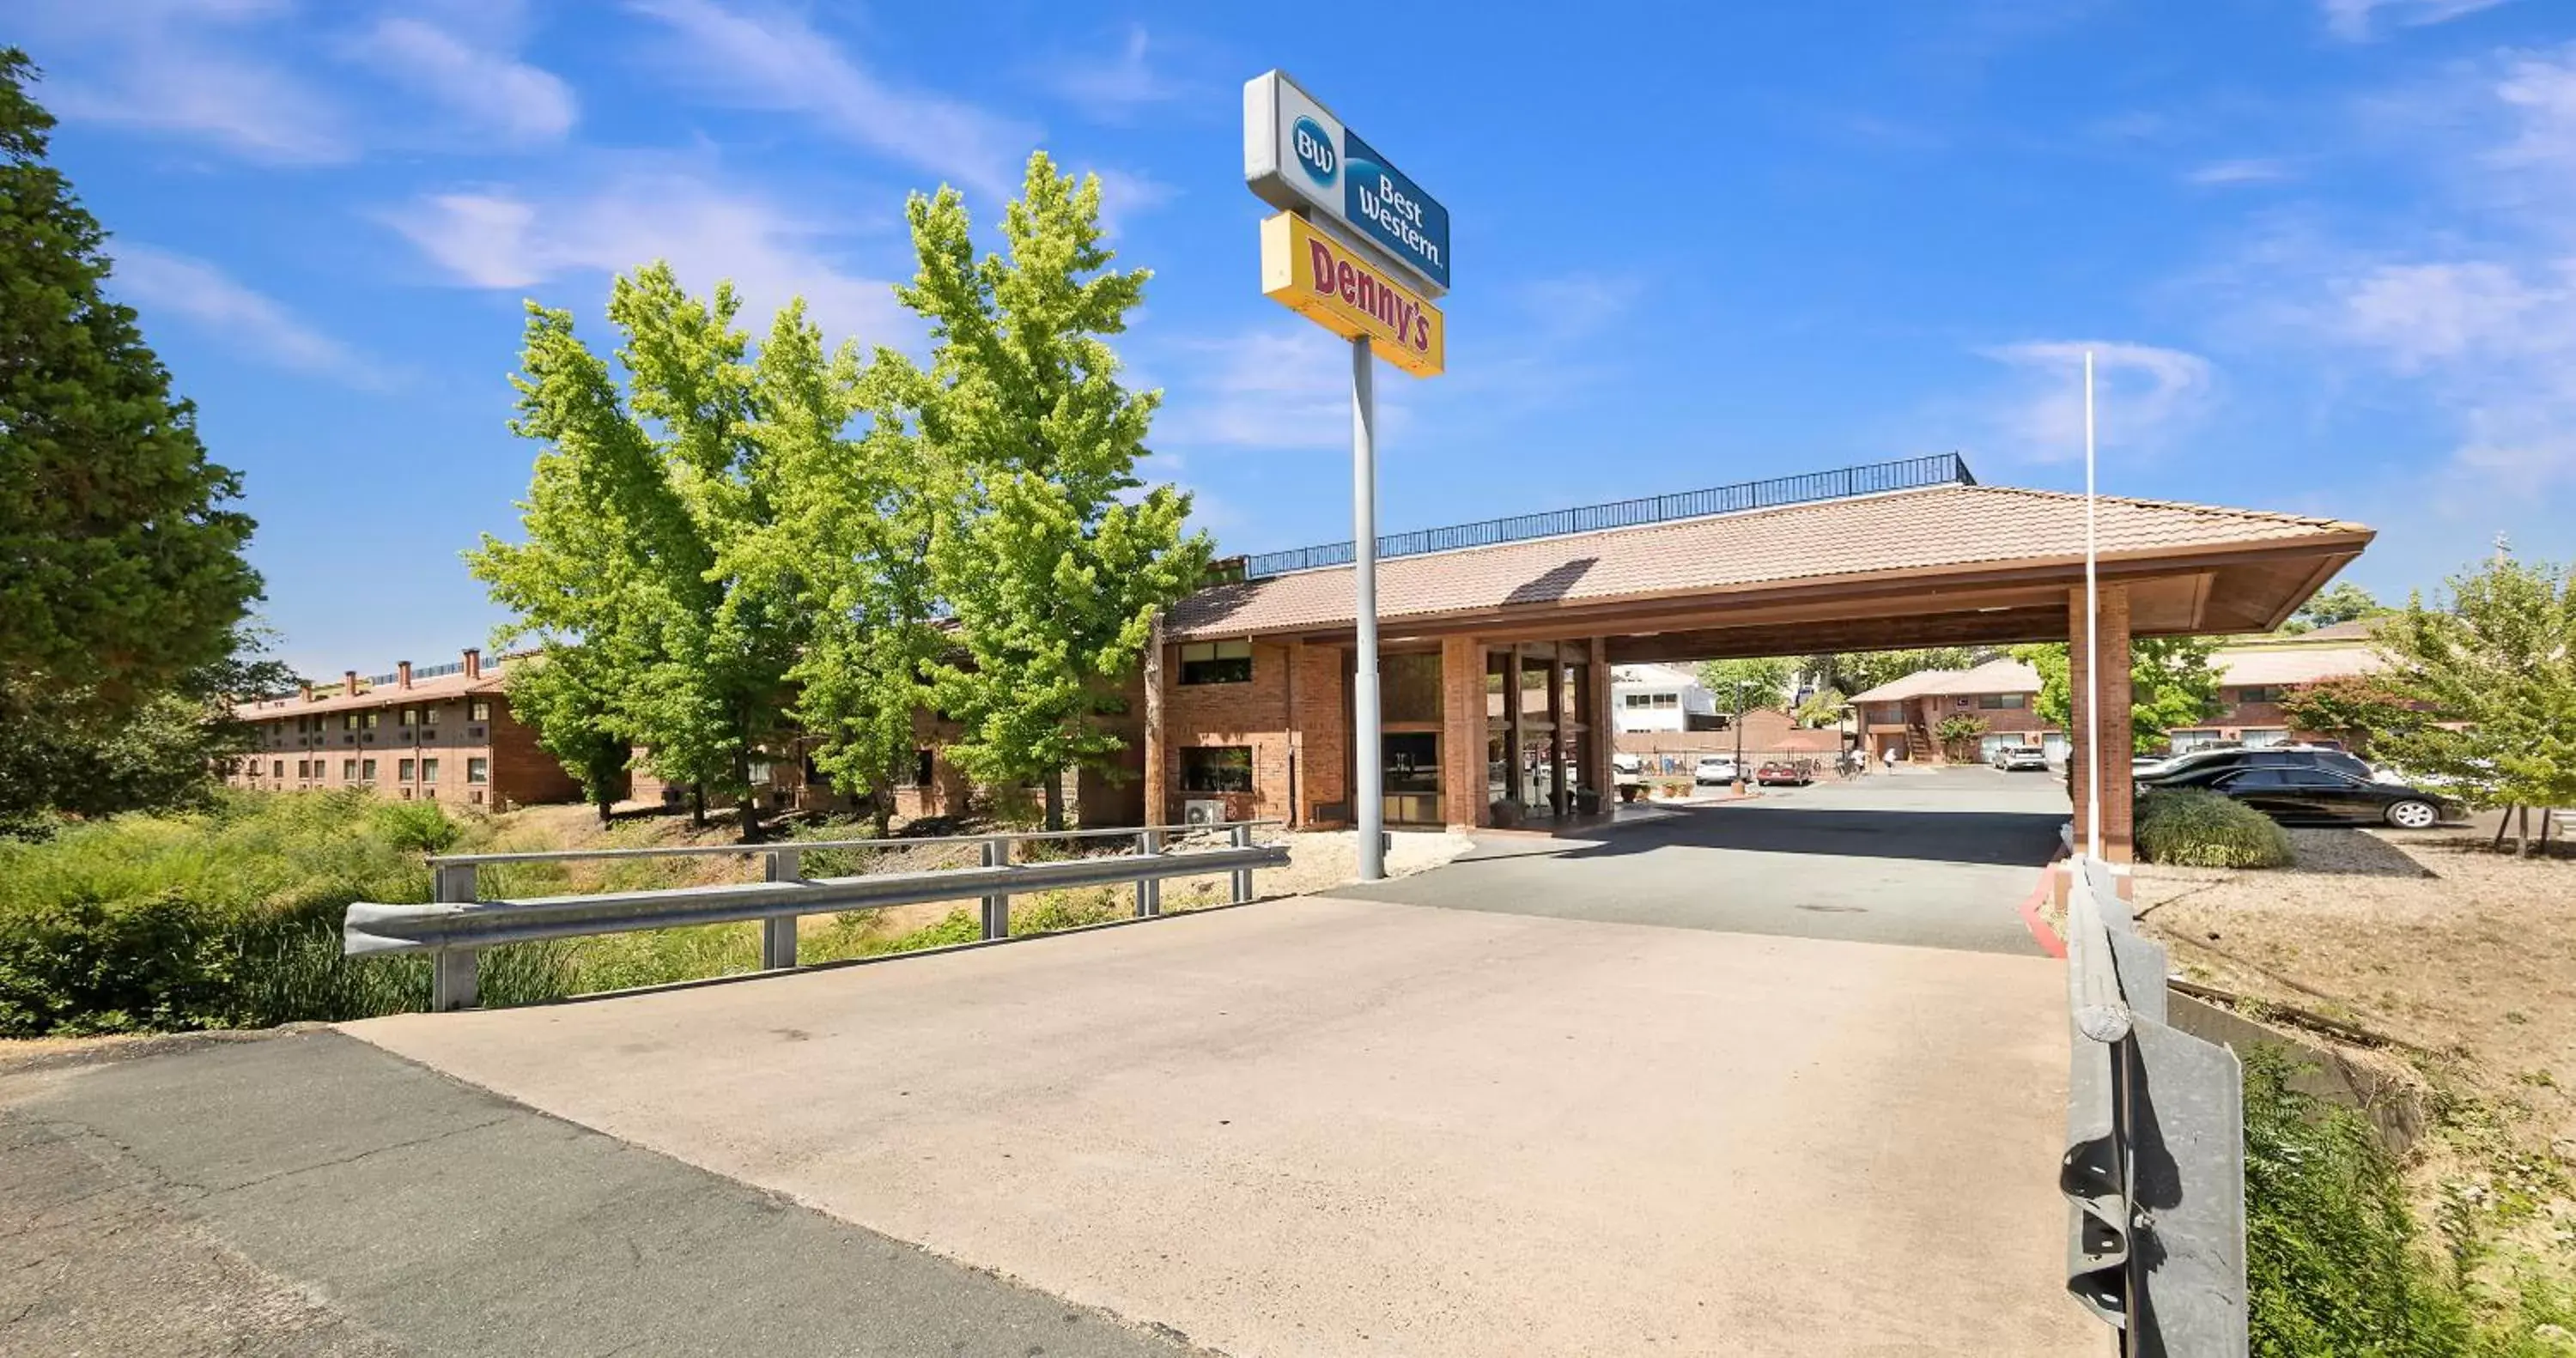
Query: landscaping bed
[(2466, 961)]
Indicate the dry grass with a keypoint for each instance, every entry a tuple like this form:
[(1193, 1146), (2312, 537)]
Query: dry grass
[(2432, 940)]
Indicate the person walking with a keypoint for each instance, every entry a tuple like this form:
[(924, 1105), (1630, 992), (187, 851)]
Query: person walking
[(1889, 755)]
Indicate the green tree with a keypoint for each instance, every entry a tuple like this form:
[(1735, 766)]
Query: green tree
[(1959, 733), (635, 517), (2352, 708), (1050, 553), (566, 695), (2172, 684), (122, 583), (849, 545), (1861, 671), (1823, 708), (1749, 684), (67, 758), (2494, 677), (2340, 602)]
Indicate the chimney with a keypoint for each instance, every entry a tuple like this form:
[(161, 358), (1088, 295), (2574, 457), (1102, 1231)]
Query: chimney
[(349, 683), (473, 663), (402, 674), (306, 687)]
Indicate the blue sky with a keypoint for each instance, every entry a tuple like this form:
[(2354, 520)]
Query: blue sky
[(2325, 249)]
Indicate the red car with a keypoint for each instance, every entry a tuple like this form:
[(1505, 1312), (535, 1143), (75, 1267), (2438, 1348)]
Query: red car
[(1783, 773)]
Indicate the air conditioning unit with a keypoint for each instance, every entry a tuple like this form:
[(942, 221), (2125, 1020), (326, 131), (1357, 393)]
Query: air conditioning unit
[(1203, 811)]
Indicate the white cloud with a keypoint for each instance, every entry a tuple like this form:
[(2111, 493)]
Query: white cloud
[(2354, 20), (772, 59), (2144, 395), (2224, 172), (158, 284), (493, 91), (1281, 386), (168, 69), (1114, 88), (1127, 194), (516, 240)]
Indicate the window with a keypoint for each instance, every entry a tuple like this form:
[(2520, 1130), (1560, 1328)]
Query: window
[(1412, 761), (371, 720), (1652, 700), (2257, 739), (402, 771), (1216, 768), (2261, 693), (921, 769), (1216, 662), (410, 716), (348, 770), (478, 770), (479, 709), (2001, 702), (429, 716), (277, 768), (1409, 687), (2251, 779), (349, 722), (366, 770), (429, 770), (2193, 740)]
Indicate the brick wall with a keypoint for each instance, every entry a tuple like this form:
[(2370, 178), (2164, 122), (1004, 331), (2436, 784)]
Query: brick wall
[(1253, 714), (1323, 732)]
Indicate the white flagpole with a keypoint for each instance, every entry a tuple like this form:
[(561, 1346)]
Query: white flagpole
[(2092, 641)]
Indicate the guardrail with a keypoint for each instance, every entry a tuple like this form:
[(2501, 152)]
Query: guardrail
[(456, 926), (2155, 1135)]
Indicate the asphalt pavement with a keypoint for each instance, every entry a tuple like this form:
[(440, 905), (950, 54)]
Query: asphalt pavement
[(1931, 859)]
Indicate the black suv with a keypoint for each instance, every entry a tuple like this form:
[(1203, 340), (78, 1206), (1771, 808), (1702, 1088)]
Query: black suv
[(2302, 785)]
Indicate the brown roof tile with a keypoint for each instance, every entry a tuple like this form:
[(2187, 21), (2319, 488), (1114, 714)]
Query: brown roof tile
[(2002, 675), (1930, 529)]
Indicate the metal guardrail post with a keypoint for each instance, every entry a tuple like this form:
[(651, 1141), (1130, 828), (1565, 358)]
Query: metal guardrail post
[(997, 909), (778, 936), (2155, 1162), (1241, 837), (453, 972), (1149, 890)]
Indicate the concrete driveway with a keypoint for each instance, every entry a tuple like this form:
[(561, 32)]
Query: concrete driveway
[(1934, 859)]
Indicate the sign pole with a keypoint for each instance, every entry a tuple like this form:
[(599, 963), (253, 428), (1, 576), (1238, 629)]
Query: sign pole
[(1370, 795)]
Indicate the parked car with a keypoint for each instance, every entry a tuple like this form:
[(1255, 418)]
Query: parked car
[(1715, 770), (2198, 766), (1628, 774), (2021, 758), (1783, 773), (2314, 790)]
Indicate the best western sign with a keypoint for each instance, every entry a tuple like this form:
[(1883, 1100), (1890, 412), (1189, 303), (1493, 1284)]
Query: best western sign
[(1349, 294), (1298, 156)]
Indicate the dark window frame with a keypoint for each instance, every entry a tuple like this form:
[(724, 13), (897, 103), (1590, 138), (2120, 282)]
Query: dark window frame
[(1216, 768), (1216, 662)]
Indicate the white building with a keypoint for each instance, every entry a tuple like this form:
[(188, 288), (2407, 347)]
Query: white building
[(1658, 698)]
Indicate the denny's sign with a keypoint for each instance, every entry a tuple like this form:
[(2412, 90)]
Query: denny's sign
[(1334, 286)]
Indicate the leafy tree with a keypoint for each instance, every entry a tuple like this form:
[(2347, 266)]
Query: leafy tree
[(634, 518), (2340, 602), (68, 758), (566, 694), (2495, 676), (122, 583), (1051, 561), (849, 545), (2352, 708), (1749, 683), (2172, 684), (1823, 708), (1959, 733), (1861, 671)]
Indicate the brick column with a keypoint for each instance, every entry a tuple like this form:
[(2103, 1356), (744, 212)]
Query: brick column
[(1597, 716), (1158, 745), (2118, 788), (1462, 732)]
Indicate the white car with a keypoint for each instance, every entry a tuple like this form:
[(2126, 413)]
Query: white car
[(1715, 770), (2021, 758)]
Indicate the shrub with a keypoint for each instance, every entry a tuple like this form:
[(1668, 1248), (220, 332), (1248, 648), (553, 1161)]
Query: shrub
[(2199, 828)]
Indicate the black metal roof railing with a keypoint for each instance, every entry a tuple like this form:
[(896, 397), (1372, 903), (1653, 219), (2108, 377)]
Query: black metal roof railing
[(1911, 473)]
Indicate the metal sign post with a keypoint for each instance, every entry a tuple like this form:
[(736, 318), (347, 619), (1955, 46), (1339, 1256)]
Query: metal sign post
[(1370, 767), (1361, 250)]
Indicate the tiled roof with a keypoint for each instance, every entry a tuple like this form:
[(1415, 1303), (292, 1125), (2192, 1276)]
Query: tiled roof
[(380, 695), (2003, 675), (2293, 664), (1939, 527), (1653, 676)]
